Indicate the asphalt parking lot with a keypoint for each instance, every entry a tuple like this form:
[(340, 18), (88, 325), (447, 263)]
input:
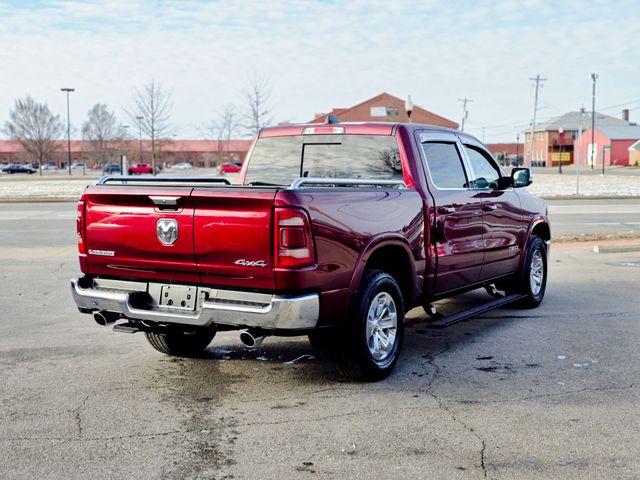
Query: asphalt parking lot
[(547, 393)]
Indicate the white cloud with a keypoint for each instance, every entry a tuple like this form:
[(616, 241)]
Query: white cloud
[(319, 55)]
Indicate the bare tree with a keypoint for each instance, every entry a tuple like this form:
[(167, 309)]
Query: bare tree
[(222, 129), (257, 96), (228, 125), (35, 128), (151, 113), (101, 132)]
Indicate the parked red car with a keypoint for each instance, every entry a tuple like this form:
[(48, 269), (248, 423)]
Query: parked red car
[(230, 167), (140, 168), (334, 232)]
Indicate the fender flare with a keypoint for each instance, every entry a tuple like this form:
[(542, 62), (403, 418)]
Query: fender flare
[(535, 221), (373, 245)]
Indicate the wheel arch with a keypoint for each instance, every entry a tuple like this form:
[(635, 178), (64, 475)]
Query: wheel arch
[(539, 227), (393, 256)]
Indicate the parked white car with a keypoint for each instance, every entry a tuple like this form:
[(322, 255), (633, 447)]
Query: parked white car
[(182, 166)]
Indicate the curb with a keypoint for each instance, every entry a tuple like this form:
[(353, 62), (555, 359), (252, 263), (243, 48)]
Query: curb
[(589, 197), (39, 199), (617, 248)]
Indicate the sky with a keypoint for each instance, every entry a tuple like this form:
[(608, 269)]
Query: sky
[(316, 55)]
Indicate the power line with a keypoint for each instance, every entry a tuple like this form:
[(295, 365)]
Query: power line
[(620, 105)]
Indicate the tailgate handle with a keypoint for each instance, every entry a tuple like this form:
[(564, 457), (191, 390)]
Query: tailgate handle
[(165, 202)]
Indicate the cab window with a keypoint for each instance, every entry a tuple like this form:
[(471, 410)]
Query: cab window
[(485, 173)]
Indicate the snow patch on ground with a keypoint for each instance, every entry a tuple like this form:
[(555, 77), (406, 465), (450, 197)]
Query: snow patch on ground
[(547, 185)]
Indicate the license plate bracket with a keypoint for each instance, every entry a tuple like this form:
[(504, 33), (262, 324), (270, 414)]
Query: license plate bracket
[(180, 297)]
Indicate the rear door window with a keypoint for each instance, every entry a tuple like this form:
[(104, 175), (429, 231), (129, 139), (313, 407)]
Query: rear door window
[(444, 164)]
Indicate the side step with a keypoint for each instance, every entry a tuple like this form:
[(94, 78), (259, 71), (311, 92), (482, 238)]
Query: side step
[(126, 328), (443, 322)]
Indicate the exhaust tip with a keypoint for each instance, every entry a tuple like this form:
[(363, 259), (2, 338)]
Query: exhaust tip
[(104, 318), (251, 340)]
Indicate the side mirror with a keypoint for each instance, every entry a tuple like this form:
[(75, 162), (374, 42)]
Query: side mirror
[(521, 177)]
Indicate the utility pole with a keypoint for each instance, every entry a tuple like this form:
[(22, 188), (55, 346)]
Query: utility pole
[(538, 80), (465, 113), (517, 148), (67, 91), (593, 149), (579, 151)]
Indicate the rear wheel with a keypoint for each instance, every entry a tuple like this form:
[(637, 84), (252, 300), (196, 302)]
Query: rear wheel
[(181, 343), (373, 336)]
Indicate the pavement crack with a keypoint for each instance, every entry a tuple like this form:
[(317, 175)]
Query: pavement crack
[(560, 394), (329, 417), (468, 428), (77, 414), (482, 450)]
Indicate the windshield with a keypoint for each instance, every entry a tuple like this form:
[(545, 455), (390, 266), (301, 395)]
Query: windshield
[(280, 160)]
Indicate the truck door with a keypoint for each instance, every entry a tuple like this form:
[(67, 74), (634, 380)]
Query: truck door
[(456, 217), (501, 213)]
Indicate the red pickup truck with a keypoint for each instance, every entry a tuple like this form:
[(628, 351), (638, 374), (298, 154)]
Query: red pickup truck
[(140, 168), (335, 231)]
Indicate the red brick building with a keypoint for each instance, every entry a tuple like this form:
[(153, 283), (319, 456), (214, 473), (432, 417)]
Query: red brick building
[(507, 154), (385, 108), (199, 153)]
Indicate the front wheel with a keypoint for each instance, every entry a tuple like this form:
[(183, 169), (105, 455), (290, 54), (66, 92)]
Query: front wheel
[(533, 280), (374, 332), (181, 343)]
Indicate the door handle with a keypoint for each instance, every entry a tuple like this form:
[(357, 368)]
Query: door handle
[(489, 207), (446, 210)]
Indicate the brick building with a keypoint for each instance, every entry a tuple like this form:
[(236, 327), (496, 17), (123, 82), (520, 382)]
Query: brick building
[(385, 108), (553, 140), (507, 154), (199, 153)]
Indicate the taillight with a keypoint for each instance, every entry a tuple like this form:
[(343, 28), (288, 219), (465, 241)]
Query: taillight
[(293, 243), (82, 250)]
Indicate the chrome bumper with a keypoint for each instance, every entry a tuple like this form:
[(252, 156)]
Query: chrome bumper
[(214, 306)]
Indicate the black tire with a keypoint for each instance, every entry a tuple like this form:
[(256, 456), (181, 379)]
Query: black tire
[(181, 343), (325, 339), (536, 256), (356, 359)]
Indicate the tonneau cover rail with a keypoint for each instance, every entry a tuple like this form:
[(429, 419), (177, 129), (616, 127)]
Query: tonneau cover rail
[(299, 182), (130, 178)]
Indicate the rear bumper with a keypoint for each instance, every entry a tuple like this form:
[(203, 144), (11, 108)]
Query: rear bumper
[(214, 306)]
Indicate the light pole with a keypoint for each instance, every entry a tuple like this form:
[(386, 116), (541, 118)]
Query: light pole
[(67, 91), (579, 152), (140, 118), (594, 77), (408, 106), (518, 149), (560, 141)]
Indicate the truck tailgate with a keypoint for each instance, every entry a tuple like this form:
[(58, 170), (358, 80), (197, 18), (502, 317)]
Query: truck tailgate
[(233, 244), (122, 233)]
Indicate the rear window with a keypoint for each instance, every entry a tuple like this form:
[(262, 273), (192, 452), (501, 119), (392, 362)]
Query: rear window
[(280, 160)]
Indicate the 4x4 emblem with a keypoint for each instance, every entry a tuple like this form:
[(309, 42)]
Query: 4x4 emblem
[(167, 230)]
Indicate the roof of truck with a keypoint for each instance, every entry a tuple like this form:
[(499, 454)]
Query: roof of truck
[(351, 128)]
